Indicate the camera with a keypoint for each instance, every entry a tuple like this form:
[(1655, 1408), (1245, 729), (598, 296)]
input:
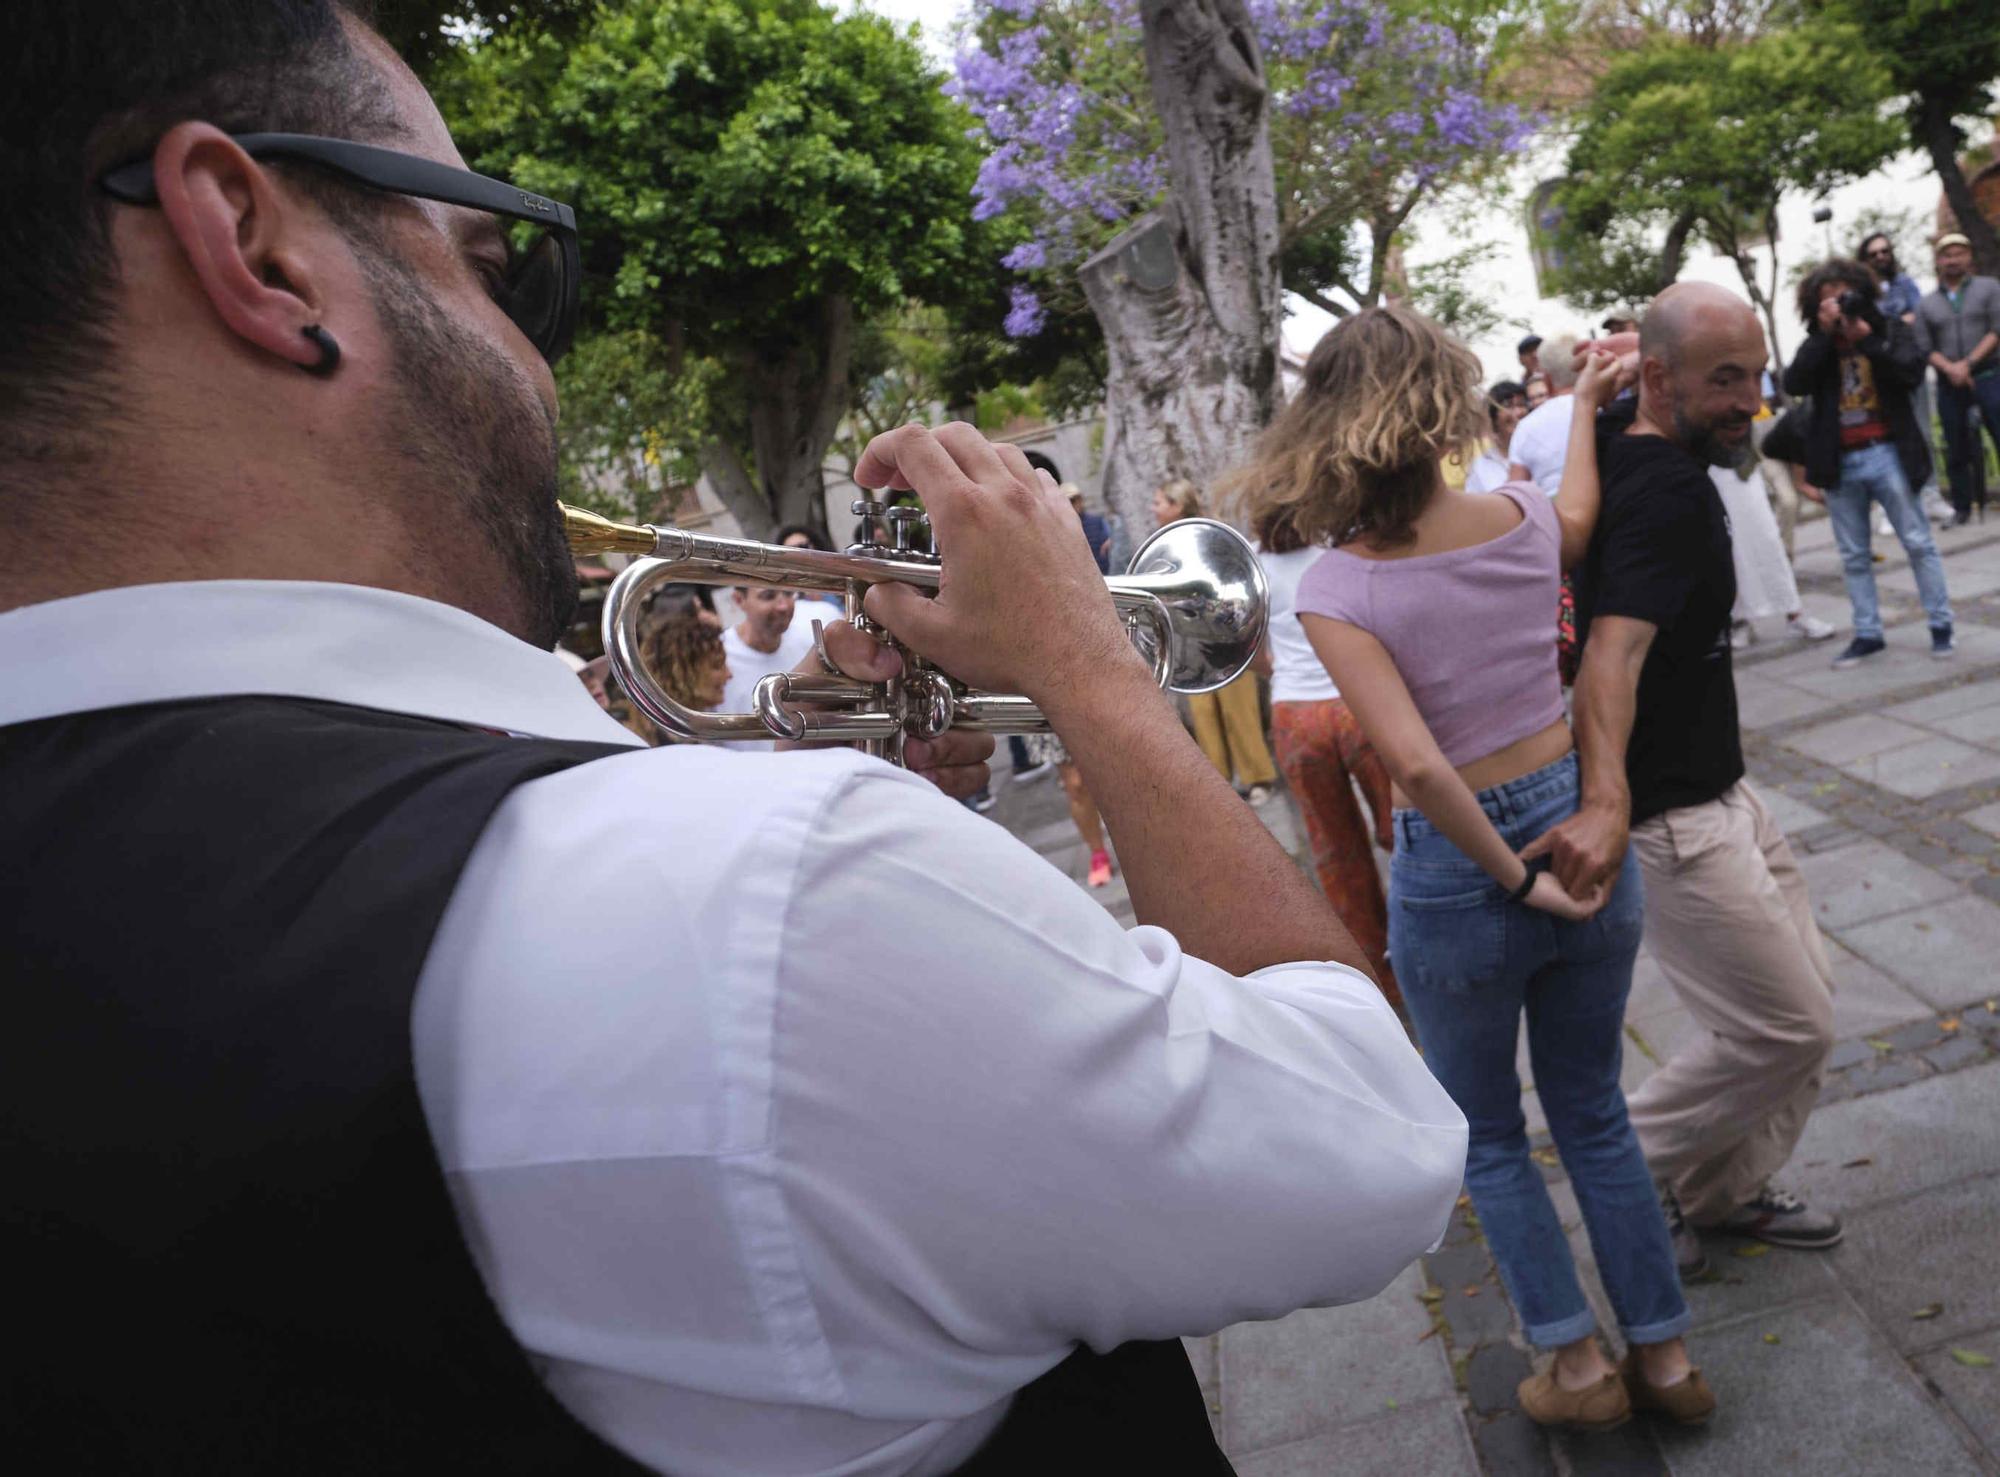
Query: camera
[(1855, 304)]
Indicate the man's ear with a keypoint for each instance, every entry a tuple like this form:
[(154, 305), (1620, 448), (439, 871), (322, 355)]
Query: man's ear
[(247, 243)]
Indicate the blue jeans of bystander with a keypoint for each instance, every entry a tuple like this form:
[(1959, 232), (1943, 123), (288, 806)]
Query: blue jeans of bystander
[(1875, 473), (1470, 962)]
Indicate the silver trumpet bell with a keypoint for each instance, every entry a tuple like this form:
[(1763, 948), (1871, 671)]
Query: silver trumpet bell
[(1194, 599)]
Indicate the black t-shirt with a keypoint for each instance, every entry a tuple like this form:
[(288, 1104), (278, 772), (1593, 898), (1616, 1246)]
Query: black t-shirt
[(1661, 554)]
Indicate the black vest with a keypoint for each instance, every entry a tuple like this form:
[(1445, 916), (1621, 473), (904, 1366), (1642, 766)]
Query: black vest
[(227, 1244)]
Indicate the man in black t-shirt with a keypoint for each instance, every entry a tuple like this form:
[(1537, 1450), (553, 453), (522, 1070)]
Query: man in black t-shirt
[(1726, 910)]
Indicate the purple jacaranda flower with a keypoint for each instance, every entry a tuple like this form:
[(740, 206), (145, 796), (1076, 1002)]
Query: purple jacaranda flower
[(1025, 316)]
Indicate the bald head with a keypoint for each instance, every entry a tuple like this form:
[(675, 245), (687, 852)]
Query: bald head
[(1702, 355), (1693, 311)]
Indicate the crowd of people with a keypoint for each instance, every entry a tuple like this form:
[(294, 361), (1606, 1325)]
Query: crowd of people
[(859, 1139)]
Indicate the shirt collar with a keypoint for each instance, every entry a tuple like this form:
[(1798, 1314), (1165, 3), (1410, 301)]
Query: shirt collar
[(335, 643)]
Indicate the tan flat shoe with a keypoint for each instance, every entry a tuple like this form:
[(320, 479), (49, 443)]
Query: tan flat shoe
[(1687, 1402), (1603, 1406)]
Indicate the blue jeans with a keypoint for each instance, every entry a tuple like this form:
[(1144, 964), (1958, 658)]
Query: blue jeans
[(1876, 473), (1962, 450), (1470, 962)]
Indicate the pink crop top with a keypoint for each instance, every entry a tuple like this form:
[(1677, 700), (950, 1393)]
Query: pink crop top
[(1473, 631)]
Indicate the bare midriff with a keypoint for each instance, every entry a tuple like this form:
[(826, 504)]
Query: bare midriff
[(1523, 756)]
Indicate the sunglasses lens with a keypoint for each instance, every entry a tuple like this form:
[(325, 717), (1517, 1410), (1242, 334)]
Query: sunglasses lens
[(538, 292)]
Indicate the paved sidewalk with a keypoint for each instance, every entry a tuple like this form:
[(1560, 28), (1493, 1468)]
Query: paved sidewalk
[(1863, 1361)]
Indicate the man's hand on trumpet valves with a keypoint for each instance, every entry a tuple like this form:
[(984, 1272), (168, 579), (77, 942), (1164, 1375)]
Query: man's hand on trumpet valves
[(955, 761), (1021, 606)]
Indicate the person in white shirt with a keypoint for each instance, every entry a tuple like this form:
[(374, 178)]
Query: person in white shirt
[(768, 637), (829, 1157), (1541, 440), (1506, 405), (1325, 757)]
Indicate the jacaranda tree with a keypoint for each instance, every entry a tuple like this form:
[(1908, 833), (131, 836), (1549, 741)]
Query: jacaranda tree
[(1175, 165)]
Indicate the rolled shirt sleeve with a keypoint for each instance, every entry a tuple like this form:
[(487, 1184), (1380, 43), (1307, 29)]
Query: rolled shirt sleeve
[(1045, 1127), (790, 1106)]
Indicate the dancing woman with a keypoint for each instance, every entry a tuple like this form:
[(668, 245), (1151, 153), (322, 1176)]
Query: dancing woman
[(1431, 613)]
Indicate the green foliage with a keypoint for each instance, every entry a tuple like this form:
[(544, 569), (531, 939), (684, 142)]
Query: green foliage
[(629, 417), (1443, 290), (1716, 134), (738, 167), (1943, 49), (735, 163)]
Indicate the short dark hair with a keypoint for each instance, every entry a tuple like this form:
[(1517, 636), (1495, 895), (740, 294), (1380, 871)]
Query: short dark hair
[(93, 84), (813, 540), (1498, 395), (1532, 341), (1038, 460), (1843, 270)]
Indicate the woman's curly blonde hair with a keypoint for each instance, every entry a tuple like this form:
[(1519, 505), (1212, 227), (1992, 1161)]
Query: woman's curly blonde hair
[(1354, 453), (678, 652)]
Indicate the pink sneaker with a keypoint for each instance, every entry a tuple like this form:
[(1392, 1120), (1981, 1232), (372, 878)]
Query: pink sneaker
[(1100, 868)]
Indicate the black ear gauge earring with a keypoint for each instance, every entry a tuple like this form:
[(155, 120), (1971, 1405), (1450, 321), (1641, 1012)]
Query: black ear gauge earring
[(329, 351)]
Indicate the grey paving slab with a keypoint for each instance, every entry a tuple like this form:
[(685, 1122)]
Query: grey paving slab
[(1950, 703), (1849, 739), (1867, 1150), (1792, 816), (1865, 999), (1424, 1438), (1319, 1368), (1829, 1395), (1987, 818), (1972, 1393), (1923, 769), (1946, 952), (1980, 726), (1852, 884), (1906, 663), (1763, 701), (1938, 1247)]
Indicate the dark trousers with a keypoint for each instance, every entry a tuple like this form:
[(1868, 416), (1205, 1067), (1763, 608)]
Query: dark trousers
[(1965, 458), (1019, 748)]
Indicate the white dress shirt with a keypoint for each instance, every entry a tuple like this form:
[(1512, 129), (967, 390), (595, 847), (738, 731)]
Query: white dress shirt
[(1541, 442), (804, 1163)]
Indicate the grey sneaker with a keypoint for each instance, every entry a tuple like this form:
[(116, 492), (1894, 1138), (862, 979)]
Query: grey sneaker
[(1781, 1218), (1689, 1259)]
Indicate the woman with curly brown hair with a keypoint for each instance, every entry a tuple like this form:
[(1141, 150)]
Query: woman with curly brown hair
[(685, 655), (1431, 613)]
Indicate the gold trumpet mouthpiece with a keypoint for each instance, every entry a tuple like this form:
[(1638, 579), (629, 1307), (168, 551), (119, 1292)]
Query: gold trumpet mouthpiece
[(590, 533)]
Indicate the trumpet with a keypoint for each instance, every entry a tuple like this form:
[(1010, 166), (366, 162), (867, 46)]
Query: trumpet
[(1194, 601)]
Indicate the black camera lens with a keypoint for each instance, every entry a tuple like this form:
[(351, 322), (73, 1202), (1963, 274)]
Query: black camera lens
[(1853, 304)]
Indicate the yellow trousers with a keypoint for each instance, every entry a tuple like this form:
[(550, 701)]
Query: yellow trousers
[(1230, 730)]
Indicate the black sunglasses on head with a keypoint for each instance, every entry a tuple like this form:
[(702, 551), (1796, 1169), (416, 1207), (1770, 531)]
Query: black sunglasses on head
[(541, 288)]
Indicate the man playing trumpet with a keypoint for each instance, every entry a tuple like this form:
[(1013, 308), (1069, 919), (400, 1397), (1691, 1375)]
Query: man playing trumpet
[(875, 1148)]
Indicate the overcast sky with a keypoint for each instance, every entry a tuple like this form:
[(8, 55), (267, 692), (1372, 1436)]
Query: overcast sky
[(1509, 280)]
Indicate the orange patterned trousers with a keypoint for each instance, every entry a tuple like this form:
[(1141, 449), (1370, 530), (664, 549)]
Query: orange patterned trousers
[(1320, 748)]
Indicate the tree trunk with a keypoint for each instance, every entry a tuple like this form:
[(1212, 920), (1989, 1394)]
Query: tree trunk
[(1940, 138), (1674, 251), (795, 393), (1188, 297)]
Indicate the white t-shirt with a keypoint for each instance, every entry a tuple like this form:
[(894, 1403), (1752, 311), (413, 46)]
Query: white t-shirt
[(1541, 442), (1297, 674), (1488, 472), (748, 666)]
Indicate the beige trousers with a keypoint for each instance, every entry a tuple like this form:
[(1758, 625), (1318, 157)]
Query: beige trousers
[(1728, 919), (1229, 726)]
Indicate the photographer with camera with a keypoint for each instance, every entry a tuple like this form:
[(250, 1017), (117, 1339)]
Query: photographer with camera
[(1863, 443)]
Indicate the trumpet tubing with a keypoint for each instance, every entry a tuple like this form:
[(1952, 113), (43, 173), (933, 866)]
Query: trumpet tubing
[(1194, 600)]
